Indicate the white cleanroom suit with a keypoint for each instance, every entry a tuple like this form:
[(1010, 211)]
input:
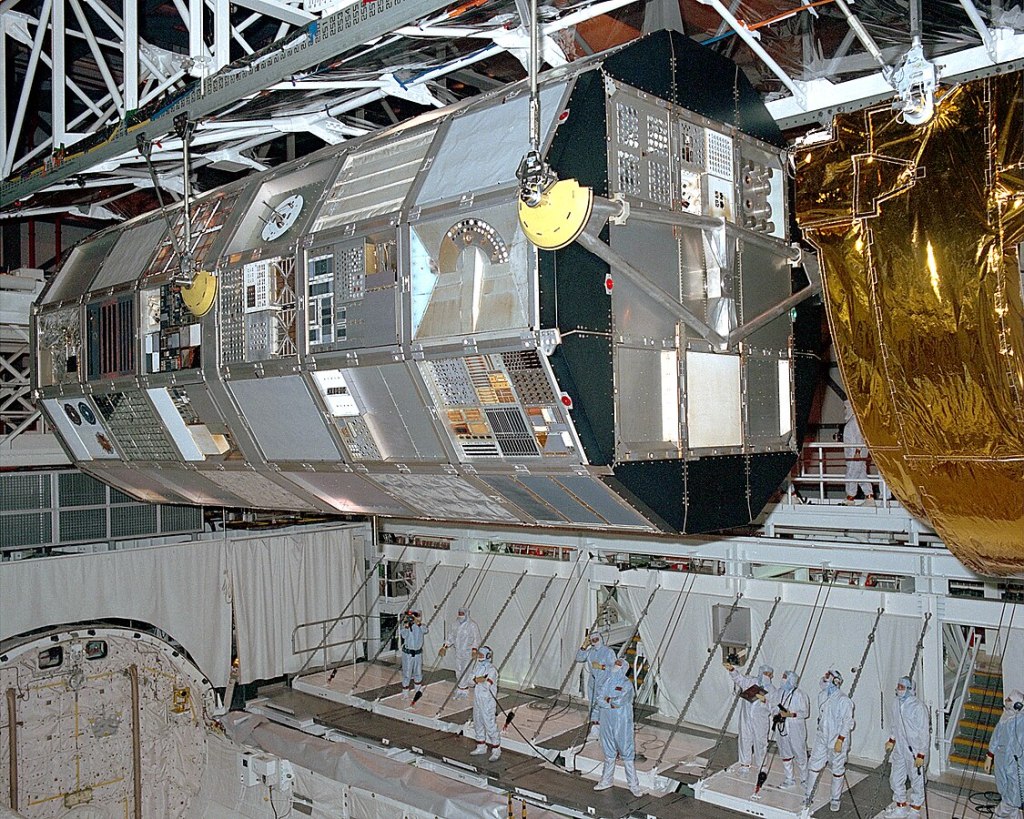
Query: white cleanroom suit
[(909, 736), (792, 707), (1006, 750), (755, 716), (485, 703), (599, 658), (465, 637), (832, 738), (615, 705)]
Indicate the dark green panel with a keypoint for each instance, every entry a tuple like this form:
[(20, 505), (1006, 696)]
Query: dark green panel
[(704, 82), (580, 150), (583, 369)]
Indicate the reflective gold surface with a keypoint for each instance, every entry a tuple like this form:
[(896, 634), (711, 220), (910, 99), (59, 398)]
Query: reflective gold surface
[(918, 231)]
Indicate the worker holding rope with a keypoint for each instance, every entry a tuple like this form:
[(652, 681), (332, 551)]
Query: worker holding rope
[(790, 723), (615, 704), (485, 703), (1006, 752), (599, 659), (832, 739), (758, 695), (412, 633), (909, 738)]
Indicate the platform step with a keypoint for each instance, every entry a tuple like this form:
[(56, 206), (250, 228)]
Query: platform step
[(965, 762), (977, 708), (986, 696), (965, 743), (975, 730)]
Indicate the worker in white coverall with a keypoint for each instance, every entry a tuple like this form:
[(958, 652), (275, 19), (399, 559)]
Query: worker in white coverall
[(1006, 751), (615, 705), (909, 734), (599, 659), (465, 636), (485, 703), (792, 707), (856, 453), (755, 715), (412, 632), (832, 738)]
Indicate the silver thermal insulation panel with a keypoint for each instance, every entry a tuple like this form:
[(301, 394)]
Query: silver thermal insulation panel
[(385, 340)]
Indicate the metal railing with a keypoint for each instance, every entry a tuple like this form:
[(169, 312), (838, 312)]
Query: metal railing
[(326, 626), (820, 475), (954, 706)]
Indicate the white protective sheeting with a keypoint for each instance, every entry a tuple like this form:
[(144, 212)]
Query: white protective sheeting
[(678, 666), (281, 582), (179, 589), (277, 581), (379, 787), (542, 647)]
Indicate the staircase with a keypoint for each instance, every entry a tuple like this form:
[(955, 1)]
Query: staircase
[(978, 719)]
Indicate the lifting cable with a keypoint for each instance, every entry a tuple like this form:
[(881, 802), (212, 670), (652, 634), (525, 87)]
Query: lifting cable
[(483, 640), (440, 607), (550, 630), (470, 599), (386, 641), (369, 576), (377, 597), (736, 696), (568, 674), (804, 645), (700, 678), (526, 625), (639, 620), (673, 620), (853, 687)]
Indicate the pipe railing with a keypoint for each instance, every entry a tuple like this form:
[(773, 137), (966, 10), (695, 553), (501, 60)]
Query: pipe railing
[(326, 626)]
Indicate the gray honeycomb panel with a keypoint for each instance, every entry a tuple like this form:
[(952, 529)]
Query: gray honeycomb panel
[(444, 496), (134, 426), (257, 491)]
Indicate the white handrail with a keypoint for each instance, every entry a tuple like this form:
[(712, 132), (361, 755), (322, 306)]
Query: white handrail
[(815, 460), (956, 708)]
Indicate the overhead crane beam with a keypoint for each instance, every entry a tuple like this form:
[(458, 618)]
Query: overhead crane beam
[(332, 35)]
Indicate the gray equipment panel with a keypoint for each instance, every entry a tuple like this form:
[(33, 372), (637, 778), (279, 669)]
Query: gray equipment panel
[(257, 491), (375, 179), (444, 496), (134, 425), (602, 500), (84, 258), (647, 402), (513, 491), (349, 493), (561, 500), (483, 147), (766, 423), (131, 254), (470, 274), (60, 358), (394, 413), (770, 286), (647, 247), (288, 425)]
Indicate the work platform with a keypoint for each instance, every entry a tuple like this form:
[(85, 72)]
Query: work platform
[(547, 757)]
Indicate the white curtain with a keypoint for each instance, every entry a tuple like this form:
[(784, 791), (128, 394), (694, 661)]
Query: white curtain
[(277, 582), (686, 652), (179, 589), (283, 582), (556, 627)]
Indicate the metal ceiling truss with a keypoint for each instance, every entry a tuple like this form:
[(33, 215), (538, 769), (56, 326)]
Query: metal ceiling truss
[(393, 49)]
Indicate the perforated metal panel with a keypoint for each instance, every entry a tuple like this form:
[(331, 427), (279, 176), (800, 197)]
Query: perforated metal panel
[(30, 529), (358, 439), (134, 426), (24, 491), (719, 155), (232, 311), (451, 380), (133, 521), (79, 489), (528, 377), (180, 518), (83, 524)]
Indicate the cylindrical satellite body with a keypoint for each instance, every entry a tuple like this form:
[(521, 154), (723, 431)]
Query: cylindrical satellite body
[(384, 339)]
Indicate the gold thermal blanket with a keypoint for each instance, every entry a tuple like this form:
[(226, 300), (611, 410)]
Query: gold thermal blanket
[(919, 232)]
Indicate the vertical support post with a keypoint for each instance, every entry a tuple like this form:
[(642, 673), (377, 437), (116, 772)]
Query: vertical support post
[(26, 88), (131, 55), (58, 83), (931, 680), (221, 34), (133, 673), (12, 745), (5, 92), (196, 46)]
